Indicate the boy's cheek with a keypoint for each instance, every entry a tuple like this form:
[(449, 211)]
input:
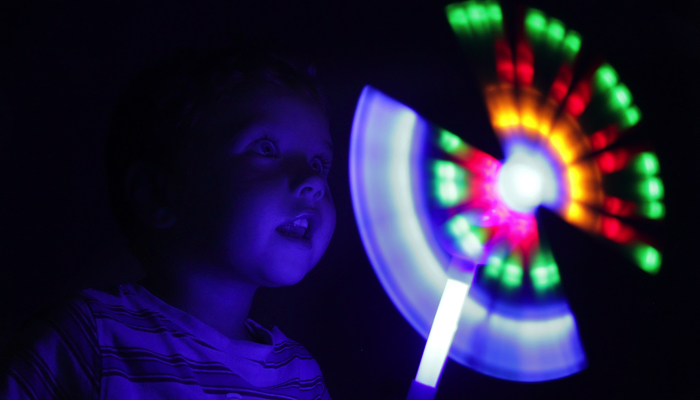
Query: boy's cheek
[(333, 218)]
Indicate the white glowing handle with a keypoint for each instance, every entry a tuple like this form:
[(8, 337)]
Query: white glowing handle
[(439, 340)]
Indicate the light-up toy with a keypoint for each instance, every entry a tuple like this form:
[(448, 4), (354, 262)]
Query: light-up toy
[(451, 231)]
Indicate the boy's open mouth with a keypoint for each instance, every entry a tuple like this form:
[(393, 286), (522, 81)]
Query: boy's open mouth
[(299, 228)]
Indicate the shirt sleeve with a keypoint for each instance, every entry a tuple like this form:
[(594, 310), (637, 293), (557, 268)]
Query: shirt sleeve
[(54, 356), (325, 395)]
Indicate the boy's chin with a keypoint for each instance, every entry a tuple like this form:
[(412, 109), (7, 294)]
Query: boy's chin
[(285, 277)]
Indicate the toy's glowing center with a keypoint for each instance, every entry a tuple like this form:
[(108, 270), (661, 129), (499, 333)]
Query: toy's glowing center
[(526, 180)]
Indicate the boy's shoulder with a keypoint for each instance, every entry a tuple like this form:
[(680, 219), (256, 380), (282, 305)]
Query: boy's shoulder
[(66, 314), (53, 354), (122, 341), (137, 326), (68, 323), (130, 315), (115, 299)]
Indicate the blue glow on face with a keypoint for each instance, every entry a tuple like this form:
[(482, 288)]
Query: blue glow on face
[(387, 156)]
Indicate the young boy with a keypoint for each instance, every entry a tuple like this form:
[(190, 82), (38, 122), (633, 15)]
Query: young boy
[(217, 165)]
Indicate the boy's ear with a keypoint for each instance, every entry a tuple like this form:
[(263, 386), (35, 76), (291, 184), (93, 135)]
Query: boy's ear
[(151, 195)]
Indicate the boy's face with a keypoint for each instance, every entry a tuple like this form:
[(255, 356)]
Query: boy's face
[(256, 205)]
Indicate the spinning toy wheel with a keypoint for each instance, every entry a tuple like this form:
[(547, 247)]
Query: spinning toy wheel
[(451, 231)]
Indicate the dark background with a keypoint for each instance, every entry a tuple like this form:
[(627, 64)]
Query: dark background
[(64, 65)]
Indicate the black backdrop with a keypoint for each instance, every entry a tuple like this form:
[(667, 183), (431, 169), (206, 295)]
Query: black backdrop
[(63, 65)]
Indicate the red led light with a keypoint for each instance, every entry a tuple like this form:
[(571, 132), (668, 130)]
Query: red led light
[(579, 98), (609, 226), (561, 84), (504, 61), (598, 140), (613, 160), (604, 137), (606, 162), (612, 205), (482, 164), (524, 64), (616, 231), (617, 206)]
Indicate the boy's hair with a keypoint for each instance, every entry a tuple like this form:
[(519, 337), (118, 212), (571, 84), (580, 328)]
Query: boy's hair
[(152, 120)]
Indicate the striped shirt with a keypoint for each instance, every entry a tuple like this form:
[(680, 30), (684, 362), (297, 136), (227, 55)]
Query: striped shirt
[(128, 344)]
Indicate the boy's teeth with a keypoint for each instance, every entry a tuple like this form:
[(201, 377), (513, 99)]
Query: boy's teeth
[(297, 228), (303, 222)]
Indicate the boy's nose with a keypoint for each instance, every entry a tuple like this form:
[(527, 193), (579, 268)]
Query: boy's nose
[(312, 188)]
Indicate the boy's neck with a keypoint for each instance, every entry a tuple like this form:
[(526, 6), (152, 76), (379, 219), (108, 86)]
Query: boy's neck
[(222, 304)]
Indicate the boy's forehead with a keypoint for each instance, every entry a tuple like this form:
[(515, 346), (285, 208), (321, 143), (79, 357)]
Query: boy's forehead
[(283, 106), (273, 107)]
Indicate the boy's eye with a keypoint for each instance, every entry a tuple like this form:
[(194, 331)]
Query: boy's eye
[(316, 165), (320, 166), (266, 148)]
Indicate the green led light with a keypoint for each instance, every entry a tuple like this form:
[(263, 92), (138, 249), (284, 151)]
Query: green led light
[(451, 143), (512, 275), (652, 189), (540, 277), (620, 97), (572, 44), (457, 17), (448, 193), (469, 238), (494, 12), (605, 77), (478, 19), (493, 267), (544, 273), (630, 117), (648, 258), (471, 246), (555, 32), (646, 163), (535, 23), (458, 226), (553, 274), (476, 12), (450, 183), (544, 277), (446, 170), (653, 210)]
